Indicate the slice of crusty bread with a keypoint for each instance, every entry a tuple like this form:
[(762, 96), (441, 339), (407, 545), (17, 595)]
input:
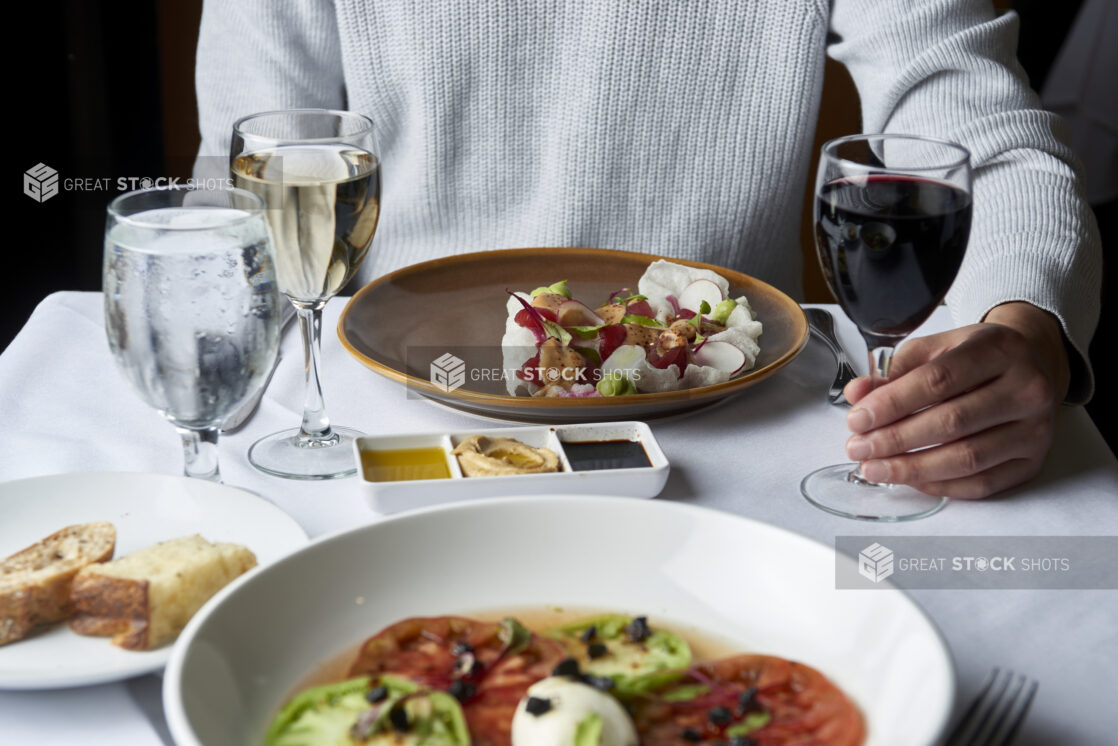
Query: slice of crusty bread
[(35, 582), (145, 598)]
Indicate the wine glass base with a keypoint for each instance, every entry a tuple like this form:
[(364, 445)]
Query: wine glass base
[(285, 454), (831, 489)]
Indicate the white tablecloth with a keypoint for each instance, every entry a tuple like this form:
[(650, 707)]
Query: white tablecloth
[(65, 408)]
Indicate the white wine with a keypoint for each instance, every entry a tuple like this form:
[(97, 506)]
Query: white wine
[(323, 202)]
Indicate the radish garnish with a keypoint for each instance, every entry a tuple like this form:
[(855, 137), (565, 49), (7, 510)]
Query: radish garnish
[(698, 292), (721, 356), (537, 326)]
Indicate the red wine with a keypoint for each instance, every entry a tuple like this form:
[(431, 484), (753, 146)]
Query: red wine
[(890, 247)]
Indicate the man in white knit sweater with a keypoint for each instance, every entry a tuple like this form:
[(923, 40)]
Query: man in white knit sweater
[(684, 129)]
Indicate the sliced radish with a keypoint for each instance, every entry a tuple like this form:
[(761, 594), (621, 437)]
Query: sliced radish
[(624, 358), (576, 313), (698, 291), (721, 355)]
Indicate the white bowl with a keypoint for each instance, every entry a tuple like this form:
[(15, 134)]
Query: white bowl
[(765, 589)]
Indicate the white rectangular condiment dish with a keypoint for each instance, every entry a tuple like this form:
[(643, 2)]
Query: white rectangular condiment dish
[(396, 496)]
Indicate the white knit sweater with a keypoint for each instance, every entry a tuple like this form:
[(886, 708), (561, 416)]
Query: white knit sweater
[(674, 127)]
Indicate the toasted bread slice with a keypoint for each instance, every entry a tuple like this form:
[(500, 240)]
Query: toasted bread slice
[(145, 598), (35, 582)]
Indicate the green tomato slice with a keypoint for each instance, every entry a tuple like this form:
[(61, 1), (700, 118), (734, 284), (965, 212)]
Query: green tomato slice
[(635, 667)]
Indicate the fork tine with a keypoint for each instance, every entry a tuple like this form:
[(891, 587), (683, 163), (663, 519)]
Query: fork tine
[(967, 728), (999, 709), (1017, 713), (997, 712)]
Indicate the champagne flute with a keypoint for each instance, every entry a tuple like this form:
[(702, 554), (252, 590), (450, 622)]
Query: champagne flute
[(319, 175), (892, 217), (191, 307)]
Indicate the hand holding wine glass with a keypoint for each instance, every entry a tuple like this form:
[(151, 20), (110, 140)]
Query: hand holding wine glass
[(892, 221), (318, 172), (191, 307)]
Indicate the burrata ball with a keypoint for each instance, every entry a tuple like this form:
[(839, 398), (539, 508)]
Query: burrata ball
[(551, 712)]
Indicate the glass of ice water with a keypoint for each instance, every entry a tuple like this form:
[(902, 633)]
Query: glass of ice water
[(192, 310)]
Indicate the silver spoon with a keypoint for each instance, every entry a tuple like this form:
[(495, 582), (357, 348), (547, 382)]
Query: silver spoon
[(823, 326)]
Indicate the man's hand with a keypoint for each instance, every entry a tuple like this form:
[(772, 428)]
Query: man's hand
[(984, 396)]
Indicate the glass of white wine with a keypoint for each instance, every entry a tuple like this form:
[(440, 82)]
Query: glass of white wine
[(319, 175), (191, 307)]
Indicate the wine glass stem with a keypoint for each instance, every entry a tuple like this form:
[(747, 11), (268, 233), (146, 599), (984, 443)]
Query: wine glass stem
[(880, 360), (199, 448), (315, 430)]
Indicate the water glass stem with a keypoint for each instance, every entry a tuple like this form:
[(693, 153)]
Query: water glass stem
[(199, 449), (315, 430)]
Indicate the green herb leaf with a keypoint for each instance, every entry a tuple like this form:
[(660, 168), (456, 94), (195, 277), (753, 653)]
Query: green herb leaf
[(514, 635), (590, 354), (633, 318), (559, 288), (686, 693), (754, 721), (586, 332), (589, 730), (554, 330)]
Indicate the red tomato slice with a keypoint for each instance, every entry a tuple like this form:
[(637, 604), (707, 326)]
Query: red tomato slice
[(806, 708), (423, 649)]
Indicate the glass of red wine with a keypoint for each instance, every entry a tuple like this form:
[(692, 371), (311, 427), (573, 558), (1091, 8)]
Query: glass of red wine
[(892, 217)]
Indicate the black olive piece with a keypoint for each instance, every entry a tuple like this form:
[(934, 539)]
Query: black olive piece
[(461, 690), (742, 741), (567, 667), (596, 650), (720, 715), (690, 734), (376, 694), (603, 683), (537, 705), (461, 647), (747, 701), (589, 633), (467, 665), (399, 719), (638, 629)]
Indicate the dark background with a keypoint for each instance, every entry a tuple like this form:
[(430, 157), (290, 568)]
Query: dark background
[(108, 92)]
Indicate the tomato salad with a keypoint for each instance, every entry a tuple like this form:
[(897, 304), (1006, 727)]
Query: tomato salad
[(609, 680)]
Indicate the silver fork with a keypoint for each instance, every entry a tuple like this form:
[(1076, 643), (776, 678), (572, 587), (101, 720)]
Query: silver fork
[(822, 324), (996, 714)]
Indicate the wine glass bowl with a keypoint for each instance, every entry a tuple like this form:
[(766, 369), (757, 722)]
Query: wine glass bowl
[(191, 307), (892, 218), (319, 175)]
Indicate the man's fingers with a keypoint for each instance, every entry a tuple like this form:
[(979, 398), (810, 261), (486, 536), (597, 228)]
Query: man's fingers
[(1001, 477), (954, 372), (979, 455), (857, 389), (951, 420)]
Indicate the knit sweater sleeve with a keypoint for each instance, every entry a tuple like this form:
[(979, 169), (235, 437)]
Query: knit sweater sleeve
[(948, 68), (262, 55)]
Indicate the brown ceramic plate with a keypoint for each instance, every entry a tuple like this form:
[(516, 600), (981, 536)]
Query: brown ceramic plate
[(402, 322)]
